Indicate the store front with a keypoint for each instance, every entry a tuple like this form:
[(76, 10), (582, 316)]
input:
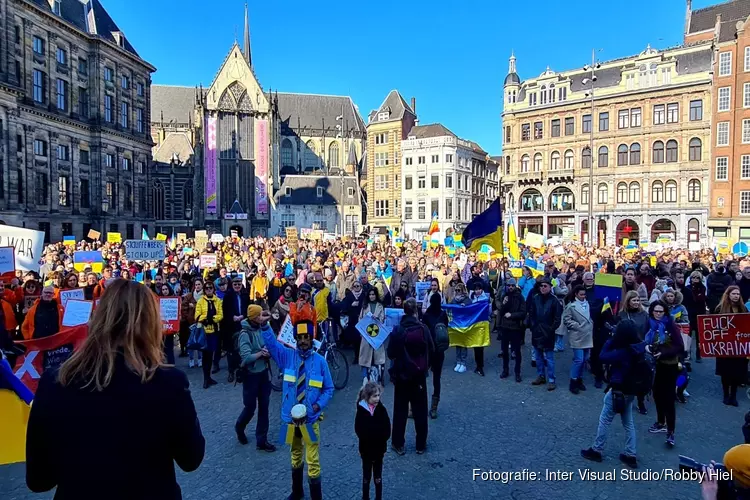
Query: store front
[(664, 228), (530, 225), (601, 236), (627, 230), (561, 227)]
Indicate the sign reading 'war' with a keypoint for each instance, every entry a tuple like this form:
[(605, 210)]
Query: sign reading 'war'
[(28, 246), (724, 335)]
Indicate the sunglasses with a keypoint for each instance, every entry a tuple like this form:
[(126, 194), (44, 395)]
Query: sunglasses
[(303, 336)]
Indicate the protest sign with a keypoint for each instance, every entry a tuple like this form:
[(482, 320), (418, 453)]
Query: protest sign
[(69, 241), (161, 237), (114, 238), (217, 238), (93, 235), (373, 331), (724, 335), (609, 286), (28, 245), (75, 294), (77, 312), (93, 259), (29, 299), (534, 240), (145, 250), (7, 263), (292, 237), (47, 353), (208, 261), (170, 314), (181, 237), (393, 317), (422, 287)]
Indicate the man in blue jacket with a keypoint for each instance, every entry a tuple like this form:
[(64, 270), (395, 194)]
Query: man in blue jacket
[(307, 381)]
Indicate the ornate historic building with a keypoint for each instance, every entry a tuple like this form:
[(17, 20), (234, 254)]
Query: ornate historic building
[(650, 124), (74, 121)]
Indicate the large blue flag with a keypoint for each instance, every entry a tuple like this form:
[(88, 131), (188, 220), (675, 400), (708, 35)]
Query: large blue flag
[(15, 401), (485, 229), (469, 326)]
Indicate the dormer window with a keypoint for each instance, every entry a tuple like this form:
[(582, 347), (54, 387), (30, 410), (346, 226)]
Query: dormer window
[(320, 192), (119, 38), (56, 7), (383, 116), (287, 191)]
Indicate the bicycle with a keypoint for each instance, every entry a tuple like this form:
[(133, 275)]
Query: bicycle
[(337, 365)]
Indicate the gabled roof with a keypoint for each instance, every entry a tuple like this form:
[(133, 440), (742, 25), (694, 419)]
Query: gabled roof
[(705, 19), (177, 103), (395, 105), (305, 190), (176, 144), (313, 109), (430, 130)]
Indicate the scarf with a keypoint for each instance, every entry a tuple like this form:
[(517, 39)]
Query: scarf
[(357, 294), (657, 327), (582, 306), (197, 296)]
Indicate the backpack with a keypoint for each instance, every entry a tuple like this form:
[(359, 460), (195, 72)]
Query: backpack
[(442, 342), (640, 377), (417, 363)]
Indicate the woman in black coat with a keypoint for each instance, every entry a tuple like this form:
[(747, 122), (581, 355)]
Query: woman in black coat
[(373, 428), (350, 308), (694, 300), (113, 421), (432, 317)]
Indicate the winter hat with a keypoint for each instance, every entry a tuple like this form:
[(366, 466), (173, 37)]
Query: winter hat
[(253, 311), (511, 281), (737, 460)]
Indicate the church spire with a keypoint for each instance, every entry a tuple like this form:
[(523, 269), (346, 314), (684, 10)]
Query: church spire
[(247, 39), (512, 63)]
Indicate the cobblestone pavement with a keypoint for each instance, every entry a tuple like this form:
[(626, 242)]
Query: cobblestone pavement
[(484, 423)]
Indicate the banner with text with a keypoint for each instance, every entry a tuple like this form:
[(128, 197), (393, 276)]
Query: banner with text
[(47, 354), (210, 165), (28, 245), (261, 170), (145, 250), (724, 335)]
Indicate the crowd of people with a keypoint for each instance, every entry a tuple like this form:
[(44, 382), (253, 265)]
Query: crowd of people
[(325, 288)]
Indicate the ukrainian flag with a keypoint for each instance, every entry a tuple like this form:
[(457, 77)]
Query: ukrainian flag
[(15, 403), (512, 240), (469, 326), (485, 229)]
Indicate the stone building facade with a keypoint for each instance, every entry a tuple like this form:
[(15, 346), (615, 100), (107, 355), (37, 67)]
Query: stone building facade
[(75, 144)]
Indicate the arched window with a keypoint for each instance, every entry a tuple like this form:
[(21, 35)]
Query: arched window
[(551, 92), (670, 192), (569, 159), (622, 155), (511, 200), (531, 201), (561, 199), (671, 151), (554, 161), (312, 162), (634, 192), (187, 195), (333, 155), (585, 194), (586, 158), (543, 95), (635, 154), (538, 162), (694, 190), (525, 163), (286, 153), (622, 192), (696, 149), (663, 226), (603, 156), (658, 152), (602, 194), (157, 194), (694, 228), (657, 192)]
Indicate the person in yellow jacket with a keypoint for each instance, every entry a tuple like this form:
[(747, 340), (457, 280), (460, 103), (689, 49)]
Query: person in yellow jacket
[(259, 286), (321, 297), (208, 313)]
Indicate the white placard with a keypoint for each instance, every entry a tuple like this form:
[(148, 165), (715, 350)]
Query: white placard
[(208, 260), (217, 238), (694, 246), (7, 260), (145, 250), (422, 287), (28, 243), (77, 312), (75, 294), (373, 331), (170, 308), (286, 335), (393, 317)]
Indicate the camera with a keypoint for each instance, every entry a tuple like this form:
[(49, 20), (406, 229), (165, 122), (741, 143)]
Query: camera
[(726, 489)]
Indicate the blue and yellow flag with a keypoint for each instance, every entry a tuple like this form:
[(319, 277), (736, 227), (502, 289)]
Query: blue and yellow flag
[(515, 254), (469, 326), (15, 404), (606, 306), (485, 229)]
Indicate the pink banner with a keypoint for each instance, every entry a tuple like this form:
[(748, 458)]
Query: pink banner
[(261, 171), (210, 165)]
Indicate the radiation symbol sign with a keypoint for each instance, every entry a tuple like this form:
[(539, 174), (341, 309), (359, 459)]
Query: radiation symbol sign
[(373, 330)]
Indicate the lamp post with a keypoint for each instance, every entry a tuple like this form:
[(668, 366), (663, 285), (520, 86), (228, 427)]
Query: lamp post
[(188, 217), (590, 94)]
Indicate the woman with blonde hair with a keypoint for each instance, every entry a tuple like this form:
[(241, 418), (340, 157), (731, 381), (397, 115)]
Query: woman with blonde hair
[(733, 371), (113, 420)]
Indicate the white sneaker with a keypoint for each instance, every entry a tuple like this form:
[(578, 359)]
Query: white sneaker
[(200, 362), (686, 393), (457, 367), (461, 368), (191, 363)]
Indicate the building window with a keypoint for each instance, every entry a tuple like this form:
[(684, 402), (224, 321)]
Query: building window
[(85, 196), (422, 182), (408, 182), (319, 192), (125, 82), (673, 112), (569, 160), (745, 202), (725, 98), (381, 208), (38, 45), (139, 168), (288, 191), (448, 158), (42, 189), (62, 186), (745, 167), (381, 159), (670, 192), (622, 155), (435, 158), (108, 74), (62, 56), (126, 164), (635, 154), (350, 192), (694, 190), (421, 210), (725, 64), (525, 132), (128, 198), (695, 151), (554, 161), (602, 194), (83, 65), (603, 122), (747, 58), (381, 182), (722, 168), (635, 117), (124, 115), (408, 161), (532, 99), (746, 95), (108, 108), (39, 86), (555, 128), (287, 220), (435, 181), (538, 162), (142, 201), (83, 156), (62, 92), (408, 210), (63, 152), (109, 160), (722, 134), (622, 193), (570, 126), (623, 118), (745, 131), (585, 194), (586, 124), (435, 208), (659, 114), (671, 151), (381, 138), (19, 185), (286, 153), (657, 192), (524, 167), (449, 208), (696, 110), (449, 181), (658, 155), (110, 199), (634, 192), (83, 102), (421, 160), (586, 158), (139, 122), (40, 147), (538, 130)]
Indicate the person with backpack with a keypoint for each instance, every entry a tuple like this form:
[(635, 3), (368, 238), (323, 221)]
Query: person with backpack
[(437, 321), (252, 360), (411, 348), (512, 312), (234, 305), (629, 374)]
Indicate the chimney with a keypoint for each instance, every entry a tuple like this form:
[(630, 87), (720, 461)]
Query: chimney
[(414, 105)]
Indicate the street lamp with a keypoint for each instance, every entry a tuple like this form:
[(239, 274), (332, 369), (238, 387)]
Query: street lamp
[(188, 217), (591, 80)]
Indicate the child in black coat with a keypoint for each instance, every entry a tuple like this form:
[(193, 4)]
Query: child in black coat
[(373, 428)]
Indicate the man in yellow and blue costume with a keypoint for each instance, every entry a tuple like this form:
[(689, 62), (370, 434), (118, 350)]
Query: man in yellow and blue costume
[(307, 381)]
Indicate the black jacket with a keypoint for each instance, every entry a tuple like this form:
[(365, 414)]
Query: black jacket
[(516, 306), (545, 315), (716, 285), (373, 431), (229, 309), (432, 318), (120, 443), (401, 351), (471, 284)]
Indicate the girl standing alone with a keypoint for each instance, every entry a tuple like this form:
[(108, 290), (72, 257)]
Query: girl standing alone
[(373, 428)]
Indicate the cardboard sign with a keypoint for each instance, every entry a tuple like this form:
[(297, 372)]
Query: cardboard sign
[(373, 331), (181, 237), (422, 287), (201, 242), (145, 250), (77, 312), (724, 335), (114, 238), (7, 263), (161, 237), (292, 237), (28, 301), (93, 259), (29, 245), (217, 238), (93, 235), (534, 240), (208, 261), (67, 295), (170, 314), (69, 241)]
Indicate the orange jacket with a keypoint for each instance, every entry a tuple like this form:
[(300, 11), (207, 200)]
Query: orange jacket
[(306, 313), (10, 316), (28, 328)]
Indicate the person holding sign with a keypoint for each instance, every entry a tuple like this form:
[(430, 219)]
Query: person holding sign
[(208, 312), (114, 385), (371, 361), (44, 319), (733, 371)]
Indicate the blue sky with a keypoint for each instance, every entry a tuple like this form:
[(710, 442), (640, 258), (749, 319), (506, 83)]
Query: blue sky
[(452, 58)]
